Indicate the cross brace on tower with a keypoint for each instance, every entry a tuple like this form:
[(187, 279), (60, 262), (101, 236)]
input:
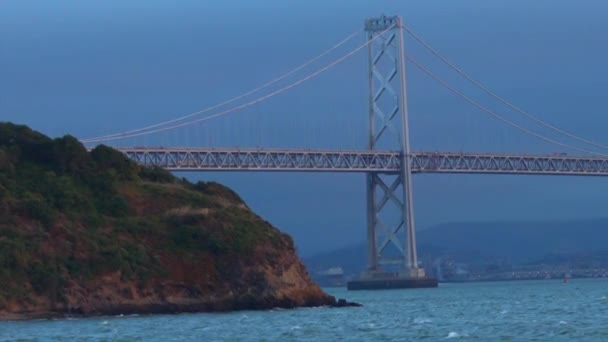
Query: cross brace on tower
[(388, 127)]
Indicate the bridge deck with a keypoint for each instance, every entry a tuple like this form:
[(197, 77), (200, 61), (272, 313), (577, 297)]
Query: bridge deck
[(233, 159)]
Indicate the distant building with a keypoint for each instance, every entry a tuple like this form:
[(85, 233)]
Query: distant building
[(446, 269), (331, 277)]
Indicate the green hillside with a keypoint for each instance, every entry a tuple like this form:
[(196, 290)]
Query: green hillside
[(94, 232)]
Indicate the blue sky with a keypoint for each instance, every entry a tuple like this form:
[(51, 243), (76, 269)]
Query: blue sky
[(97, 67)]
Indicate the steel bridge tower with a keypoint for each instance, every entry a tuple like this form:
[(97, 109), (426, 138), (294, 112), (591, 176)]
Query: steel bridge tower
[(388, 129)]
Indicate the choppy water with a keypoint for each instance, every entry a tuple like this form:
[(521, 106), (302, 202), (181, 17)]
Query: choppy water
[(528, 310)]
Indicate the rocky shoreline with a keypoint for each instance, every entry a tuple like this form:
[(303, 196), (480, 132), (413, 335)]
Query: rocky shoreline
[(173, 308)]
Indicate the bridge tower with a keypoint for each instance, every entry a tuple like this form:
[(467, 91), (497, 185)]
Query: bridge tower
[(388, 129)]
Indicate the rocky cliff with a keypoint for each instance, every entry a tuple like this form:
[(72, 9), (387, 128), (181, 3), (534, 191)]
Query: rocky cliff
[(90, 233)]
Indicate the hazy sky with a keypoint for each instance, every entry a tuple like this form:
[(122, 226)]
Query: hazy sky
[(95, 67)]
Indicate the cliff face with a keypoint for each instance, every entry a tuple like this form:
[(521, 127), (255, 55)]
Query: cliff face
[(93, 233)]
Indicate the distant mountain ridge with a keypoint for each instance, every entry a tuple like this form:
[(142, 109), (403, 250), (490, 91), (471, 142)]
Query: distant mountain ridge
[(472, 242)]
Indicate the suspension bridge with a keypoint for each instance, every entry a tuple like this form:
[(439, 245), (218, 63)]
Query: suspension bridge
[(387, 160)]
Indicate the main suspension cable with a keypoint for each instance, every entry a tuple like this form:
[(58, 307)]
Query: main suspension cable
[(231, 100), (496, 96), (259, 99), (495, 115)]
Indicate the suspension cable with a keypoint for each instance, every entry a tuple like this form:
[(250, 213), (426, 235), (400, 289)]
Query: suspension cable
[(259, 99), (496, 96), (231, 100), (497, 116)]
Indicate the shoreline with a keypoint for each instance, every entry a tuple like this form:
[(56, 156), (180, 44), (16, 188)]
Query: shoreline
[(170, 309)]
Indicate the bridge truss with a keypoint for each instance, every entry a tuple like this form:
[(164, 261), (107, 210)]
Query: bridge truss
[(368, 161)]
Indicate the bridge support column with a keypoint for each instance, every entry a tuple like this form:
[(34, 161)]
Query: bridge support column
[(391, 234)]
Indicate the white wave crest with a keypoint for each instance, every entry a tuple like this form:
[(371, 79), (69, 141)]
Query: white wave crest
[(453, 334), (422, 320)]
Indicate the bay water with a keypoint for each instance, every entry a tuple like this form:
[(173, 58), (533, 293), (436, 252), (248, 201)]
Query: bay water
[(547, 310)]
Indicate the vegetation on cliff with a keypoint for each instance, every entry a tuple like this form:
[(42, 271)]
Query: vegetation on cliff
[(92, 232)]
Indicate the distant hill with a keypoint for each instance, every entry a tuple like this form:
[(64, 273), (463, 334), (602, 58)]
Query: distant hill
[(519, 242)]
